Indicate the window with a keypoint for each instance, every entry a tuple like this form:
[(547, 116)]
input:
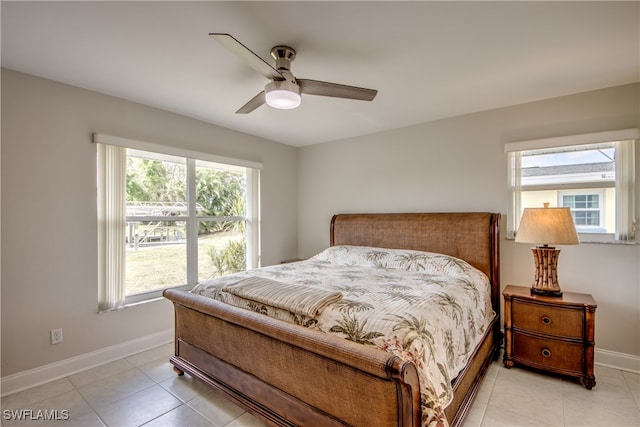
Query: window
[(587, 209), (593, 175), (170, 218)]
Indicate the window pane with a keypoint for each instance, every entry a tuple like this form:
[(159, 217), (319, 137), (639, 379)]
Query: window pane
[(587, 218), (156, 256), (156, 184), (569, 201), (222, 248), (156, 249), (576, 164), (220, 191)]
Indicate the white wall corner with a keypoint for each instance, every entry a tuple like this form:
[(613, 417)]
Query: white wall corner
[(43, 374), (613, 359)]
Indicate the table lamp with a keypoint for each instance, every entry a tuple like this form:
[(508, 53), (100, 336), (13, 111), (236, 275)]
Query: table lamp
[(547, 226)]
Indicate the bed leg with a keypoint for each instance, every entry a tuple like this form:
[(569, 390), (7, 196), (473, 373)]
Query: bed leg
[(178, 371)]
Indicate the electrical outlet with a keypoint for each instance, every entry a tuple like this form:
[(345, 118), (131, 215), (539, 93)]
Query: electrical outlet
[(56, 336)]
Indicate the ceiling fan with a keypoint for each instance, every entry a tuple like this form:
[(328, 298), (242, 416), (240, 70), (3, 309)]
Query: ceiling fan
[(284, 91)]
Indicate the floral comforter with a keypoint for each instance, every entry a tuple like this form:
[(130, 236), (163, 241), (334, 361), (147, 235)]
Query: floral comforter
[(428, 308)]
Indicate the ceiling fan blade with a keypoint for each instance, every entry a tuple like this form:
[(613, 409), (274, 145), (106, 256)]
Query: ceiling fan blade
[(253, 60), (315, 87), (254, 103)]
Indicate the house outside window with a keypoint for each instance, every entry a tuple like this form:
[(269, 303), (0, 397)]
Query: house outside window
[(170, 220), (593, 175)]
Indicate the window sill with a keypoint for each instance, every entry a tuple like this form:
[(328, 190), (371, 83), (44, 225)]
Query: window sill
[(131, 305), (612, 242), (590, 241)]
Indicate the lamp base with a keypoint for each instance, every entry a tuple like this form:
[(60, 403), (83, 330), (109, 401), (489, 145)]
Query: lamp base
[(542, 292), (546, 274)]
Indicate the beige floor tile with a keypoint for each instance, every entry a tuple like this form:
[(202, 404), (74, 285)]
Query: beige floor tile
[(72, 402), (475, 415), (607, 404), (606, 375), (138, 408), (162, 352), (616, 397), (246, 420), (216, 408), (529, 379), (181, 416), (528, 391), (633, 382), (158, 370), (34, 418), (500, 417), (484, 394), (36, 394), (185, 387), (98, 373), (90, 419), (599, 416), (119, 386)]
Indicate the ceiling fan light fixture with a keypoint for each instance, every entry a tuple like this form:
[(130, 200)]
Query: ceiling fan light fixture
[(283, 95)]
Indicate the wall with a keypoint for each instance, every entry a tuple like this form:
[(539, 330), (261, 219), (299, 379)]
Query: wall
[(49, 231), (459, 164)]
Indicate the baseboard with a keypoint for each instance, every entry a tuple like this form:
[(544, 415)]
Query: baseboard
[(33, 377), (613, 359)]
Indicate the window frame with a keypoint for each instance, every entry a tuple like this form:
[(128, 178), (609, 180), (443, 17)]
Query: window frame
[(108, 299), (625, 141)]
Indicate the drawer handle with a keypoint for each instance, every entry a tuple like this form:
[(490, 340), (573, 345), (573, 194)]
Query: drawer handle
[(546, 352), (546, 320)]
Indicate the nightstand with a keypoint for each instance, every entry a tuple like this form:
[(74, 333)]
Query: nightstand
[(555, 334)]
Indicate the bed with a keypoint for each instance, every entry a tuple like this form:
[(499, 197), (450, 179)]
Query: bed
[(290, 374)]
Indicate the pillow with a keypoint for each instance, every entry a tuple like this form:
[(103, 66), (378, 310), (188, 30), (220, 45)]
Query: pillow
[(397, 259)]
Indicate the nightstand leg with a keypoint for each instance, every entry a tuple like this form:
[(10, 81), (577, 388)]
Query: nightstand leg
[(507, 359), (589, 381)]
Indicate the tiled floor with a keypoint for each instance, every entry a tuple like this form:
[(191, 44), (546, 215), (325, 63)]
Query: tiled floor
[(144, 390), (519, 397)]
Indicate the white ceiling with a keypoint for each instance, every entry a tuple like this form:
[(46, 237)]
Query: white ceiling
[(428, 60)]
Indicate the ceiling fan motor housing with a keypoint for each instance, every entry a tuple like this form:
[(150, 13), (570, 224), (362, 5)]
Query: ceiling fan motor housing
[(283, 56)]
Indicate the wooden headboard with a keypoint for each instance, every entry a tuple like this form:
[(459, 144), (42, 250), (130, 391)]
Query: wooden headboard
[(471, 236)]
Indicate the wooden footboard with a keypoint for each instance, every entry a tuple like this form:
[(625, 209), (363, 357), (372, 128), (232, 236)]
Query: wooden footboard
[(302, 377)]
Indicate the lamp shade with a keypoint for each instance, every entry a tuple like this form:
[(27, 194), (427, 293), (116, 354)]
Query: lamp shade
[(547, 226)]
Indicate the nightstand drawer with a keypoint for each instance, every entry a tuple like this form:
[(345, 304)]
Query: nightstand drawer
[(547, 319), (548, 353)]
